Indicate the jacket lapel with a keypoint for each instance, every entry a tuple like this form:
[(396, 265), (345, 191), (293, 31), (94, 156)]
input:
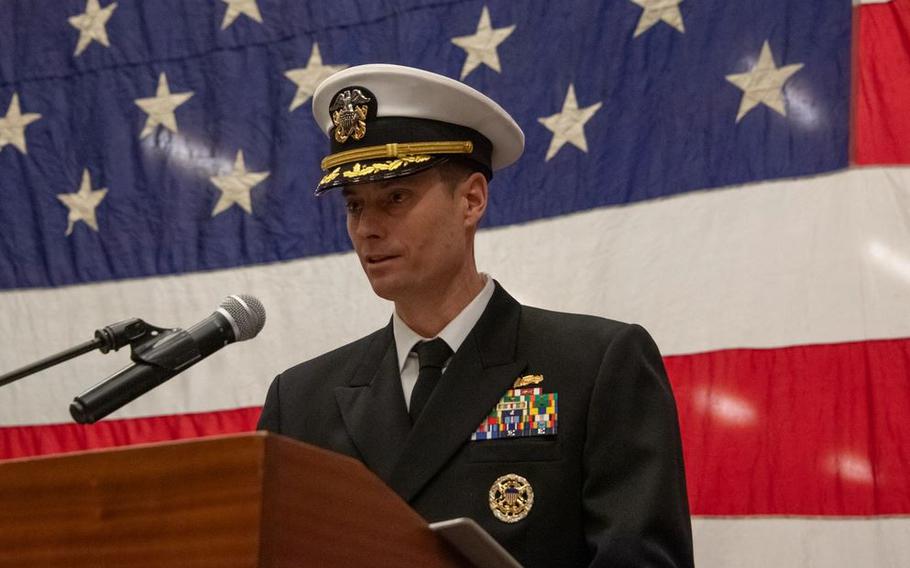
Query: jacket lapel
[(372, 406), (480, 372)]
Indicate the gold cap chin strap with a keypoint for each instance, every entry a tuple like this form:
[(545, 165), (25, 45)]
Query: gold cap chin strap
[(396, 150)]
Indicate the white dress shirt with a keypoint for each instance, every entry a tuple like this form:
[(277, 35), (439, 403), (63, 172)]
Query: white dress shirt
[(454, 334)]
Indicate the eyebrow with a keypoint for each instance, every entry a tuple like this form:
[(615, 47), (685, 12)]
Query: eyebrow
[(383, 184)]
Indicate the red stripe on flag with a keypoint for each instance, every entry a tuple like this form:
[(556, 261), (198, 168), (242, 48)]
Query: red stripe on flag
[(26, 441), (882, 111), (808, 430)]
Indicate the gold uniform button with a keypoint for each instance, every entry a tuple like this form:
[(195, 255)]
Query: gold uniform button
[(511, 498)]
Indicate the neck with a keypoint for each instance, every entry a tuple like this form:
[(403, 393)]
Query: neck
[(428, 314)]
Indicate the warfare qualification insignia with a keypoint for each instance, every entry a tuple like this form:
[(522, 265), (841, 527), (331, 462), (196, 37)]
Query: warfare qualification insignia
[(349, 114), (511, 498), (527, 380)]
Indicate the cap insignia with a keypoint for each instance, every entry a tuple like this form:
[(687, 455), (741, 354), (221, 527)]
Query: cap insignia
[(349, 114), (511, 498)]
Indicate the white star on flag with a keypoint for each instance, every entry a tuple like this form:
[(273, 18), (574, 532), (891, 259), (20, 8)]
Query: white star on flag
[(569, 124), (235, 8), (308, 78), (481, 47), (82, 204), (92, 24), (764, 84), (655, 11), (235, 187), (12, 126), (161, 107)]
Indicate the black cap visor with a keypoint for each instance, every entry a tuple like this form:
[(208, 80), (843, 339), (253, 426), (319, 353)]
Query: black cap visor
[(389, 137)]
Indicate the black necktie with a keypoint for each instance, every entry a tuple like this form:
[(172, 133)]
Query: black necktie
[(432, 356)]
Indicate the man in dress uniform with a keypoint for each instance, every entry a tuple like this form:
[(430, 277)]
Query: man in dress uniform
[(556, 432)]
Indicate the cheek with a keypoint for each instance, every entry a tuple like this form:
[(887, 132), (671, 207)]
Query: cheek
[(351, 224), (445, 239)]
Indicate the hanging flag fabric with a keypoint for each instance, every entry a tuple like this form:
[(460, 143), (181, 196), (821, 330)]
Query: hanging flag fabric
[(733, 176)]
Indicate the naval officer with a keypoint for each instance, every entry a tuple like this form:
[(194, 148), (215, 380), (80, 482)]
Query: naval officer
[(556, 432)]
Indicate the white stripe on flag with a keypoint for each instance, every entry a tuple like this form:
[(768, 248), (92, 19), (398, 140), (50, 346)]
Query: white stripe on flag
[(784, 542), (817, 260)]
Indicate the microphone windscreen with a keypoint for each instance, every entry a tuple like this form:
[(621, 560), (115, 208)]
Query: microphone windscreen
[(246, 314)]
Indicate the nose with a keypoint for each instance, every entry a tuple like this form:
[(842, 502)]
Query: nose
[(367, 223)]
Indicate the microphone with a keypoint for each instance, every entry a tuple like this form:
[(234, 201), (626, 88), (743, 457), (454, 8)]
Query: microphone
[(238, 318)]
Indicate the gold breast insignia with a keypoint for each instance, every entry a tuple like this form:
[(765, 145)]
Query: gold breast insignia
[(527, 380), (511, 498)]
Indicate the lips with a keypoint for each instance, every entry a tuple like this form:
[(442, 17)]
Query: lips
[(373, 259)]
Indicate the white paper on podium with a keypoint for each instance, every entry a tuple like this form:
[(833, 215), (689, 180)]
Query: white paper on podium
[(474, 543)]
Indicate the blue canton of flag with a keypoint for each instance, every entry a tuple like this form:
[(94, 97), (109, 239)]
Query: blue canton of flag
[(148, 138)]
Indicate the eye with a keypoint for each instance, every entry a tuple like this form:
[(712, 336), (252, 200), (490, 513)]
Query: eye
[(353, 207), (398, 196)]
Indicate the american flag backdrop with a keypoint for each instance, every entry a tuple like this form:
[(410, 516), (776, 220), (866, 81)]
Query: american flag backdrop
[(731, 175)]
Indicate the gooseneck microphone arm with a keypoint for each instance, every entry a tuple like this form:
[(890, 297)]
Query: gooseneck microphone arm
[(157, 353), (47, 362), (108, 338), (157, 359)]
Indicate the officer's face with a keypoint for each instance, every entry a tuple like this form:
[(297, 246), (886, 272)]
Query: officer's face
[(413, 235)]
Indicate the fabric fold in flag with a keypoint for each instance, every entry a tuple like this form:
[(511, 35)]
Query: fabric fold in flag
[(690, 166)]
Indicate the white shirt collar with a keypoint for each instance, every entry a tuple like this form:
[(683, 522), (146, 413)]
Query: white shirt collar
[(454, 333)]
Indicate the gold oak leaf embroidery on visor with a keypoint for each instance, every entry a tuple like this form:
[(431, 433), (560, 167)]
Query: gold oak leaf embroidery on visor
[(330, 176), (387, 166)]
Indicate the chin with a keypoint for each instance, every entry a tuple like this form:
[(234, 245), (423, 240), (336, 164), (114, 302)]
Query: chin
[(385, 288), (384, 294)]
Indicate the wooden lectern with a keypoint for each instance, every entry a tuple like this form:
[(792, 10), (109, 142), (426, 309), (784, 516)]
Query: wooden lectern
[(250, 500)]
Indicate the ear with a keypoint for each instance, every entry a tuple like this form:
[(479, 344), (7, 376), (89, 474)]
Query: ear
[(474, 191)]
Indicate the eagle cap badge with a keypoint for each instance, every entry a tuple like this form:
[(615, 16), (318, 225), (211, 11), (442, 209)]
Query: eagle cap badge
[(511, 498), (349, 111)]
